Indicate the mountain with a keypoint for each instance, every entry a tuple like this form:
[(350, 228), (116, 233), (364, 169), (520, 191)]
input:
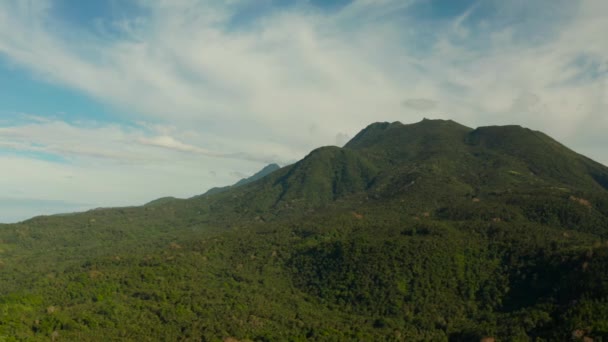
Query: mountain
[(430, 165), (417, 232), (268, 169)]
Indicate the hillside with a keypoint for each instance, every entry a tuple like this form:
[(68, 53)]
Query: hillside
[(418, 232)]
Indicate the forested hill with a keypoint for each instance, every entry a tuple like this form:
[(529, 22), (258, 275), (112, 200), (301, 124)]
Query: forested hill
[(426, 231), (428, 166)]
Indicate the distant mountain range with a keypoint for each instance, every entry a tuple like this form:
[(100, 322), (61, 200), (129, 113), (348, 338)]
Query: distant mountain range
[(431, 231), (268, 169)]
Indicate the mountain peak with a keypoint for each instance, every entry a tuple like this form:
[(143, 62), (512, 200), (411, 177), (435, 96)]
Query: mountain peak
[(387, 134)]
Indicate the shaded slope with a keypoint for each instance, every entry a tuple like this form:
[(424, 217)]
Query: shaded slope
[(325, 175), (543, 156)]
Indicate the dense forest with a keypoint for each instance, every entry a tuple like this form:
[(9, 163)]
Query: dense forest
[(424, 232)]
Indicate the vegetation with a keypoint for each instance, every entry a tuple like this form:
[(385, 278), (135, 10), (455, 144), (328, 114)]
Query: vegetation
[(424, 232)]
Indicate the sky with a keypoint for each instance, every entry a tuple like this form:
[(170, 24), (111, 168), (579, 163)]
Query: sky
[(118, 102)]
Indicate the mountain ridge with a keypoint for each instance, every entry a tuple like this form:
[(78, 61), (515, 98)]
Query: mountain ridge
[(375, 165), (266, 170)]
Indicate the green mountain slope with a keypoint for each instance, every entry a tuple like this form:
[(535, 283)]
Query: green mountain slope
[(427, 231), (433, 166)]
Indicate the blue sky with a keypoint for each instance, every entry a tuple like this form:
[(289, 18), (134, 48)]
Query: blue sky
[(108, 103)]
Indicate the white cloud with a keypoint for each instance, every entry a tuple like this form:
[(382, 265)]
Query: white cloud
[(168, 142), (250, 95)]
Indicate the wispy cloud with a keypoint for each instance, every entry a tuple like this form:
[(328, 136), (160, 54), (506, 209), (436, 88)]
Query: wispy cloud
[(171, 143), (296, 67), (91, 174)]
